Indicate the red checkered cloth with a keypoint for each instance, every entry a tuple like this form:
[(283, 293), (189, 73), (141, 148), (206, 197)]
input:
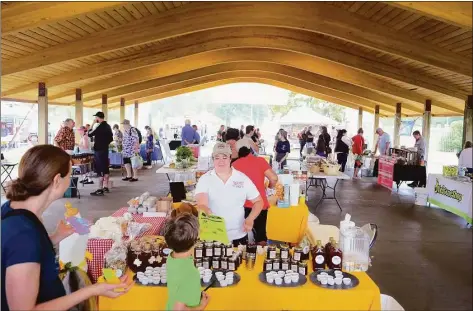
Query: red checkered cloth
[(98, 247)]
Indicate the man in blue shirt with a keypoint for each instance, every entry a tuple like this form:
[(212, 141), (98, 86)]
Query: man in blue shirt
[(383, 142), (196, 135), (187, 134)]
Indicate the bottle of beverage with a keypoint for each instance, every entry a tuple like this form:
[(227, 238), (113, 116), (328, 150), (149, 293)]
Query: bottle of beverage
[(336, 257), (318, 256), (328, 247)]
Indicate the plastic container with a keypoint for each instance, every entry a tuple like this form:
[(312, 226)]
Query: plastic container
[(421, 196)]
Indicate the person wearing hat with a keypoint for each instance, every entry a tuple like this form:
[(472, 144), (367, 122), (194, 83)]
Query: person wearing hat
[(103, 136), (257, 169), (223, 192), (130, 148)]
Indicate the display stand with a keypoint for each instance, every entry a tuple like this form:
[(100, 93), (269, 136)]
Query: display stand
[(386, 171)]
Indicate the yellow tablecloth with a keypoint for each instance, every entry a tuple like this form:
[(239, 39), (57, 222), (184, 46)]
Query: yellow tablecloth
[(287, 224), (251, 294)]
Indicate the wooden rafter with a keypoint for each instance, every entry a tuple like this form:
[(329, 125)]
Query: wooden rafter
[(198, 16), (452, 12), (259, 37), (20, 16), (301, 61)]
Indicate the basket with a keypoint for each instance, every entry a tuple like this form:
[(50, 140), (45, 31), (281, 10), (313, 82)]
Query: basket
[(331, 169), (314, 169)]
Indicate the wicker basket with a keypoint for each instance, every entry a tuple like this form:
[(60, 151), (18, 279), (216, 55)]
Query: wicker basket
[(331, 169), (314, 169)]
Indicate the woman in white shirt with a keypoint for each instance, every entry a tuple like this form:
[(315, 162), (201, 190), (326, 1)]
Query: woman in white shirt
[(84, 144), (342, 147)]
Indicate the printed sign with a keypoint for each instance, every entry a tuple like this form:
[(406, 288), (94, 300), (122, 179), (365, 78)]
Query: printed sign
[(212, 228)]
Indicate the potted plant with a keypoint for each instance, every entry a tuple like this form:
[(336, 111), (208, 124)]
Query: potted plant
[(184, 156)]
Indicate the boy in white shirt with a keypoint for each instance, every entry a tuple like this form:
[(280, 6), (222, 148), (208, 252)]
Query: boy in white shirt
[(223, 192)]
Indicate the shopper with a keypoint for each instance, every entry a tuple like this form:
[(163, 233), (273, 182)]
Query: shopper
[(250, 131), (130, 149), (149, 145), (342, 147), (276, 139), (357, 148), (30, 271), (283, 148), (383, 142), (65, 138), (224, 190), (84, 143), (118, 137), (221, 133), (242, 131), (187, 134), (183, 282), (257, 169), (231, 137), (196, 138), (323, 143), (302, 136), (103, 136), (421, 154)]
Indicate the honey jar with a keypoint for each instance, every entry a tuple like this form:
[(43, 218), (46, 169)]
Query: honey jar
[(277, 264), (217, 252), (297, 254), (285, 264), (271, 254), (294, 266), (224, 263), (206, 262), (268, 265), (209, 249), (302, 268), (284, 251), (216, 263), (232, 265), (199, 250), (198, 263), (229, 250)]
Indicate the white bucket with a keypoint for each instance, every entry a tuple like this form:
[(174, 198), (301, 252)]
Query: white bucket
[(421, 195)]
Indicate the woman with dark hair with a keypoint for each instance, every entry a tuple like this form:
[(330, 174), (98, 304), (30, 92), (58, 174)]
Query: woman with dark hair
[(257, 169), (283, 148), (30, 272), (342, 147), (323, 143), (232, 135)]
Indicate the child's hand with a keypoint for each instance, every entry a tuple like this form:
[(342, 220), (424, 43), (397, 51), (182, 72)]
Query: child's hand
[(204, 300)]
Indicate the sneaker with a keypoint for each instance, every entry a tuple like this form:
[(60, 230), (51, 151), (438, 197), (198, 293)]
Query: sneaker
[(105, 189), (126, 178), (89, 182), (98, 192), (412, 185), (133, 179)]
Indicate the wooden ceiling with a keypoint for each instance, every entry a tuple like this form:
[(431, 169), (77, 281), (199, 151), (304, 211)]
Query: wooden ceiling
[(356, 54)]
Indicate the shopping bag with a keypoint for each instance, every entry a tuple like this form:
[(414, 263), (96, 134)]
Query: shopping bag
[(136, 161)]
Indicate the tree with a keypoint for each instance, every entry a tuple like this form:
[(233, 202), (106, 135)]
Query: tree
[(294, 100), (452, 140), (331, 110)]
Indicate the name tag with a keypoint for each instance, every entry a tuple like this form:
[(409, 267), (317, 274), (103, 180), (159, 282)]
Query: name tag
[(238, 184)]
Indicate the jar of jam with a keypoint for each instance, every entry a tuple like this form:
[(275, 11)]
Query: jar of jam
[(268, 265), (209, 249), (284, 251), (198, 263), (297, 254), (232, 265), (302, 268), (164, 254), (217, 249), (251, 248), (276, 264), (206, 262), (271, 254), (216, 263), (285, 264), (199, 250), (133, 261), (224, 263), (294, 266), (229, 250), (156, 258)]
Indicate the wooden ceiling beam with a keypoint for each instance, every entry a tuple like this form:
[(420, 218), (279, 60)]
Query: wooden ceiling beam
[(362, 94), (458, 13), (258, 37), (301, 61), (226, 78), (20, 16), (198, 16)]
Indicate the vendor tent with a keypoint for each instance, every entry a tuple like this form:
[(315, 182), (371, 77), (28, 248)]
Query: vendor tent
[(306, 116)]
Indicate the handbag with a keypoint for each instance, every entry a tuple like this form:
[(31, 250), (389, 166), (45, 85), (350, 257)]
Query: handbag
[(136, 161)]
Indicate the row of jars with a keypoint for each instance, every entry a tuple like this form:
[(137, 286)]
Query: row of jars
[(212, 249), (285, 264), (284, 253)]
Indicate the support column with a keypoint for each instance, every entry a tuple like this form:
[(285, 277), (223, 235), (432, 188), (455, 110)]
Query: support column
[(360, 117), (468, 120), (42, 114), (136, 113), (122, 110), (426, 121), (79, 116), (105, 106), (397, 125), (375, 124)]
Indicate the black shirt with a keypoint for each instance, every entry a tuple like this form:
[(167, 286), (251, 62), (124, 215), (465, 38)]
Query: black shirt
[(309, 139), (340, 146), (103, 136)]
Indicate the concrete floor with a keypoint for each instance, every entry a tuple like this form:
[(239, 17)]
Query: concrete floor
[(423, 256)]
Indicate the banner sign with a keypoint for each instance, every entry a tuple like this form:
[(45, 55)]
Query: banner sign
[(450, 194), (406, 128)]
